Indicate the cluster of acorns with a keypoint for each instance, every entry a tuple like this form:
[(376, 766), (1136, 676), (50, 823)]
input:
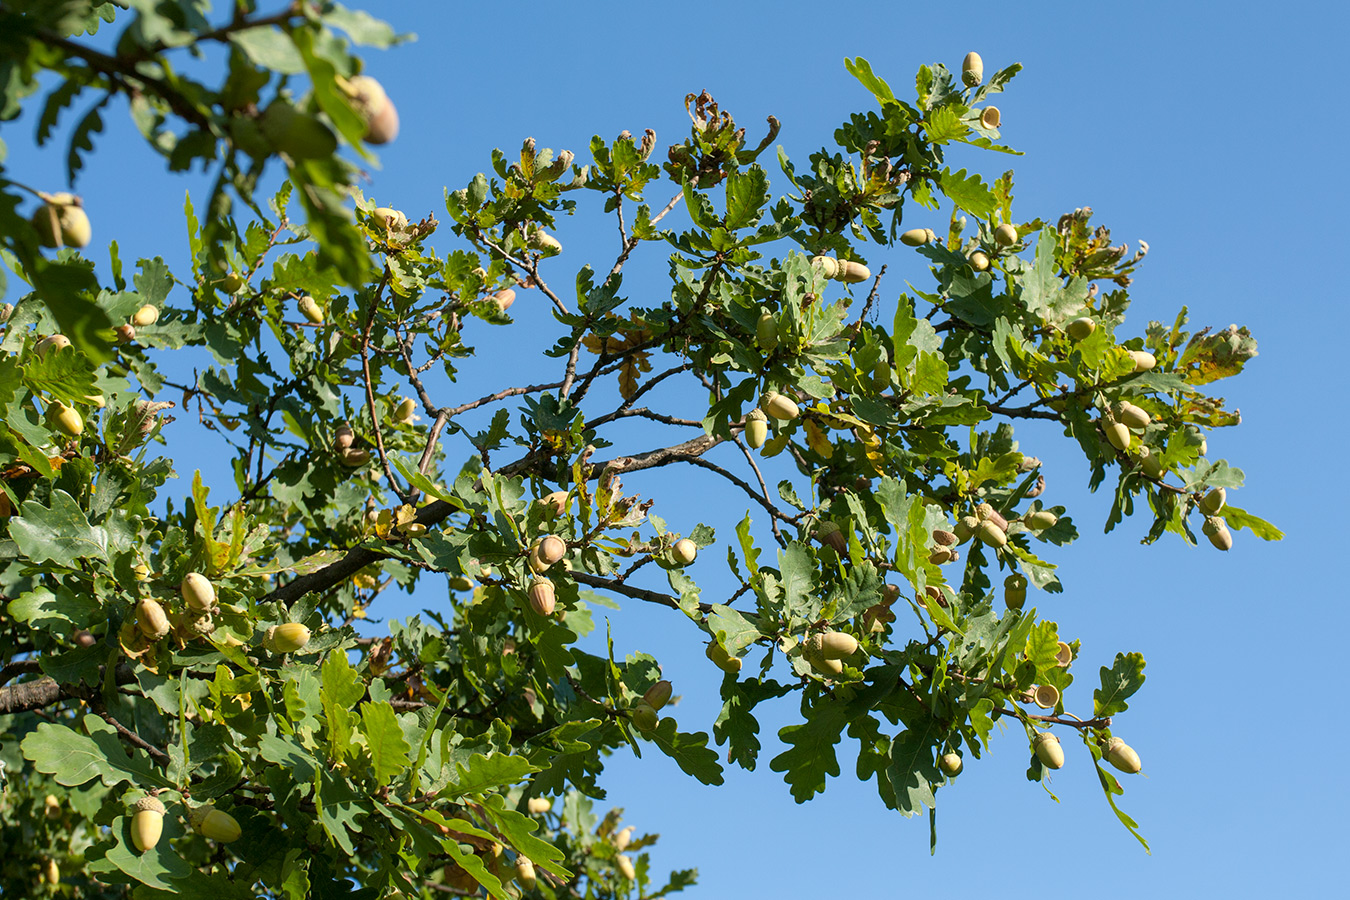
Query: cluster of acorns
[(1047, 749), (147, 823), (197, 619)]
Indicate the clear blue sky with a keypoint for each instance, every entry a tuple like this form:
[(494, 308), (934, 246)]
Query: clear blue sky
[(1214, 132)]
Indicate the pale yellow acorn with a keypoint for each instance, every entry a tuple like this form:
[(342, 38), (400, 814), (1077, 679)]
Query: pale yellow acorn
[(1041, 520), (685, 551), (343, 437), (151, 620), (972, 69), (827, 667), (51, 807), (991, 118), (1117, 433), (214, 824), (406, 411), (1150, 462), (965, 527), (1015, 591), (525, 875), (147, 823), (1047, 749), (62, 222), (1213, 501), (372, 103), (1143, 360), (388, 217), (1122, 756), (544, 242), (979, 261), (625, 866), (555, 504), (825, 265), (548, 550), (756, 428), (310, 309), (50, 343), (1217, 532), (146, 315), (836, 644), (286, 638), (722, 659), (950, 764), (1080, 329), (780, 407), (66, 419), (543, 599), (1131, 415), (198, 592), (52, 872), (851, 272), (917, 237), (658, 695), (1005, 235), (539, 805), (623, 838), (504, 298), (991, 534)]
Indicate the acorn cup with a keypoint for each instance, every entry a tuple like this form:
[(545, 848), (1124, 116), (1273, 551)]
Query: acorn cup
[(1046, 696)]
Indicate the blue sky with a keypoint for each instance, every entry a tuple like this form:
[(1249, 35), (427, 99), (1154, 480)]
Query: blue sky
[(1213, 132)]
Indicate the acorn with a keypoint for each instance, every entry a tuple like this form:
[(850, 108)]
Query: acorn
[(543, 242), (1150, 463), (623, 838), (286, 638), (1063, 655), (917, 237), (972, 69), (50, 343), (1047, 749), (851, 272), (374, 106), (539, 805), (1131, 415), (406, 412), (1004, 235), (548, 550), (61, 221), (979, 261), (835, 644), (198, 592), (1217, 532), (354, 457), (66, 419), (1143, 360), (214, 824), (756, 428), (1040, 520), (722, 659), (950, 764), (830, 668), (645, 718), (766, 332), (685, 550), (52, 872), (125, 333), (889, 594), (1122, 756), (825, 265), (1080, 329), (876, 618), (146, 315), (658, 695), (1117, 433), (542, 596), (151, 620), (310, 309), (389, 218), (991, 534), (828, 533), (343, 437), (51, 807), (147, 823), (625, 866), (941, 556), (554, 504), (504, 298), (965, 527), (1015, 591), (1046, 696), (525, 876), (1213, 501), (779, 406)]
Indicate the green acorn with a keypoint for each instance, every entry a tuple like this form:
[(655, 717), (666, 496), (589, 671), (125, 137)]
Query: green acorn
[(1213, 501), (1004, 235), (1131, 415), (1217, 532), (1015, 591), (147, 823), (756, 428), (1080, 329), (287, 638), (1122, 756), (1041, 520), (917, 237), (645, 718), (766, 332), (950, 764), (780, 407), (991, 534), (722, 659), (1047, 749)]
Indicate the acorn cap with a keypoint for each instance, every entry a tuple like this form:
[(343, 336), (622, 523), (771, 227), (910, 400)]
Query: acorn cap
[(1046, 696), (150, 804)]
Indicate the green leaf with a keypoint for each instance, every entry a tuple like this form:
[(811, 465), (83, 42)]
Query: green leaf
[(968, 192), (73, 759), (388, 747), (913, 770), (747, 193), (1240, 518), (270, 48), (861, 69), (1119, 682), (60, 534), (486, 772), (690, 751), (811, 759), (733, 629)]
